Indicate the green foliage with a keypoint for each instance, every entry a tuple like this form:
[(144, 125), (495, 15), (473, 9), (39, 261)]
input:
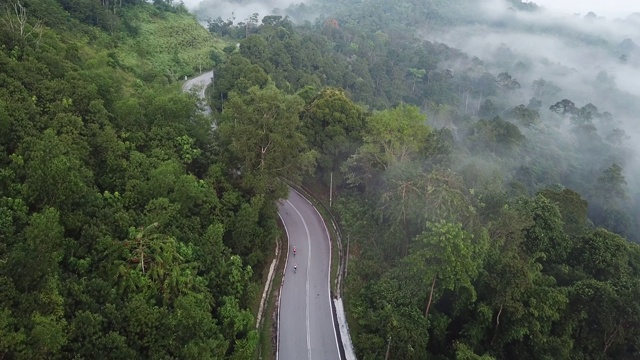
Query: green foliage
[(611, 183), (129, 227), (236, 74), (262, 140), (120, 235), (464, 352), (602, 254), (450, 257), (43, 240), (546, 235), (11, 341), (524, 115), (572, 207), (333, 125), (609, 200), (165, 45), (496, 136), (391, 137), (604, 311)]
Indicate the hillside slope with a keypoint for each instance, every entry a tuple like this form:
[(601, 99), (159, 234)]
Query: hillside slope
[(121, 235)]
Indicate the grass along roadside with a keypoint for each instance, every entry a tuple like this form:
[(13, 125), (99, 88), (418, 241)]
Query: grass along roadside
[(166, 44), (268, 328)]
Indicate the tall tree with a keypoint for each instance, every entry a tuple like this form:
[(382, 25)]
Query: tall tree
[(260, 133), (391, 137), (601, 254), (611, 185), (572, 207), (333, 125), (450, 258), (545, 236), (609, 199)]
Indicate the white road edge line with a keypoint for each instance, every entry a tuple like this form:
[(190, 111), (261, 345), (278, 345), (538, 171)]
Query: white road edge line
[(281, 285), (329, 272), (306, 229)]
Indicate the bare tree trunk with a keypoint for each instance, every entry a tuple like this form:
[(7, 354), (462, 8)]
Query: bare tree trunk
[(609, 340), (433, 285), (495, 332), (141, 250), (466, 102), (404, 222), (17, 19), (386, 356)]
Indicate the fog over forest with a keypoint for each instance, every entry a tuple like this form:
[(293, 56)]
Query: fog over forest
[(240, 9), (610, 9), (591, 59), (550, 52), (584, 51)]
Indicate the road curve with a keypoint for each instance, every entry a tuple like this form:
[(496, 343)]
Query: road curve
[(202, 81), (199, 82), (305, 325)]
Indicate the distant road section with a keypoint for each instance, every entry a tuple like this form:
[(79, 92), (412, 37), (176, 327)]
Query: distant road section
[(306, 329), (201, 82)]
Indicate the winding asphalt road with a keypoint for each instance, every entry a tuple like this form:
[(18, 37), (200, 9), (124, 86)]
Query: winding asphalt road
[(201, 82), (305, 323)]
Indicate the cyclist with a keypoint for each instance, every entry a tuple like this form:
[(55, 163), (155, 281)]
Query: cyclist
[(294, 251), (295, 266)]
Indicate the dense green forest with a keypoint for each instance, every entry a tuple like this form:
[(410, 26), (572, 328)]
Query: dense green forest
[(122, 234), (486, 207), (488, 214)]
